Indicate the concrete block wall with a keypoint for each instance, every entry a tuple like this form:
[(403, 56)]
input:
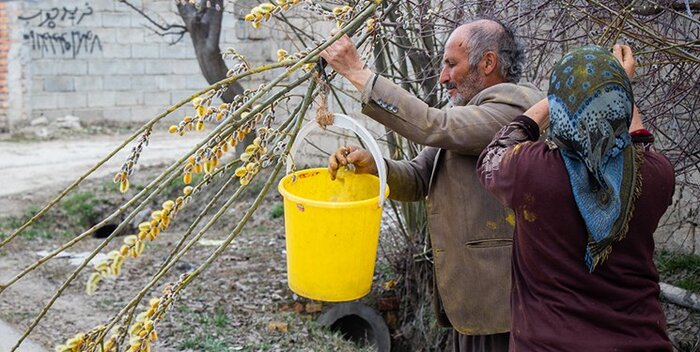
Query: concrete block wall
[(101, 61)]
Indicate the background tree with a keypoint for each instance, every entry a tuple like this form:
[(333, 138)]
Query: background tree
[(202, 19)]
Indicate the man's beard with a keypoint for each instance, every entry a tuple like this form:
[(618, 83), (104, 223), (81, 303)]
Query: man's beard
[(470, 87)]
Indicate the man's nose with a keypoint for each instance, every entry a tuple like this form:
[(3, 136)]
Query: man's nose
[(444, 76)]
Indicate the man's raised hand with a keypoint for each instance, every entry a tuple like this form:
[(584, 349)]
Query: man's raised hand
[(343, 57)]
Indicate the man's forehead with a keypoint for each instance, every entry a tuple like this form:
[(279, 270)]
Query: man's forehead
[(456, 45), (460, 35)]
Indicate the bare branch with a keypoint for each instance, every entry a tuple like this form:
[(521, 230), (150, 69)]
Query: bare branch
[(162, 30)]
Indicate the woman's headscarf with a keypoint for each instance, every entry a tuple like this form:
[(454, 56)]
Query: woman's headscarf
[(590, 108)]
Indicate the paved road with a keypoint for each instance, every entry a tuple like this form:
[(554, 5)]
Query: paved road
[(28, 168), (9, 336), (49, 166)]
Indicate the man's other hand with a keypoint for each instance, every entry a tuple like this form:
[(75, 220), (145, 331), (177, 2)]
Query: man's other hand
[(360, 158)]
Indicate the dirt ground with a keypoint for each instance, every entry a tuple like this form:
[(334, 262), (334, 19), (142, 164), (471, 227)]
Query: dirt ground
[(241, 303), (228, 308)]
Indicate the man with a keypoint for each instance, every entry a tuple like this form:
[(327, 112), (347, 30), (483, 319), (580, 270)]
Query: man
[(471, 233)]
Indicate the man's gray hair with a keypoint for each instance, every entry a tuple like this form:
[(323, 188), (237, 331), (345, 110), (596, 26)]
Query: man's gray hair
[(510, 51)]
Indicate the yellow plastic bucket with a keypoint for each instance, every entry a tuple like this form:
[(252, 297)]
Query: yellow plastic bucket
[(332, 227)]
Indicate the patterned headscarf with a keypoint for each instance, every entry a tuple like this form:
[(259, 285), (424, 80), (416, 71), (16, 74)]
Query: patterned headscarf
[(590, 108)]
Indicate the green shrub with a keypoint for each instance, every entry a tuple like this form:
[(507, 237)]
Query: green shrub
[(277, 211)]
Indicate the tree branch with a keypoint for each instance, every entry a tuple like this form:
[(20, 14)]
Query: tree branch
[(161, 29), (658, 7), (204, 25)]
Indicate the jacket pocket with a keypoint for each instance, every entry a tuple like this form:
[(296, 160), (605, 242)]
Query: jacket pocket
[(489, 242)]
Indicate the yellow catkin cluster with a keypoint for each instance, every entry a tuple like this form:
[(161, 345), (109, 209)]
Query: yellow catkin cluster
[(123, 180), (73, 344), (342, 14), (264, 11), (143, 331), (372, 25), (203, 112), (251, 158), (88, 342), (282, 55), (133, 245), (207, 161)]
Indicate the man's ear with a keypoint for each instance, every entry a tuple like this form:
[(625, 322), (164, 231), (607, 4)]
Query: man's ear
[(488, 63)]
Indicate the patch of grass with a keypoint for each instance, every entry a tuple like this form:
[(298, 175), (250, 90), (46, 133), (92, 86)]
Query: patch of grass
[(80, 208), (682, 270), (201, 340), (73, 215), (211, 344), (189, 343), (42, 228), (277, 211), (218, 319), (204, 344)]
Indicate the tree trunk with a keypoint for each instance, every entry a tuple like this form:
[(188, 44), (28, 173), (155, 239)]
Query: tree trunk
[(204, 25)]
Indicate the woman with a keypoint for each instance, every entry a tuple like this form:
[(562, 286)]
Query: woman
[(587, 202)]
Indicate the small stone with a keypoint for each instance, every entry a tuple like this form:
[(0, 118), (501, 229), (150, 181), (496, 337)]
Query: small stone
[(39, 121), (42, 132), (69, 122)]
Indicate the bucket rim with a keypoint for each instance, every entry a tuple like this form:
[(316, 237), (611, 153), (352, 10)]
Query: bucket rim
[(324, 204)]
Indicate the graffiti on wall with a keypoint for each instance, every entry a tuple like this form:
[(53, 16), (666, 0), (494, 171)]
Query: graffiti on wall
[(46, 39), (50, 16), (73, 42)]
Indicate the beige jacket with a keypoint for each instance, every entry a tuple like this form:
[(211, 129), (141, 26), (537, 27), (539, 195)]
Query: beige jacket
[(471, 233)]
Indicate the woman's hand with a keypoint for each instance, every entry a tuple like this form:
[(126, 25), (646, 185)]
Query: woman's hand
[(623, 53)]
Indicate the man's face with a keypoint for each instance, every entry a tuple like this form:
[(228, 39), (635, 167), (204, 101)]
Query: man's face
[(461, 82)]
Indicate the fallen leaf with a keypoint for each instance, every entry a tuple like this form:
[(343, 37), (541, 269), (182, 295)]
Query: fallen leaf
[(298, 307), (313, 307), (277, 326)]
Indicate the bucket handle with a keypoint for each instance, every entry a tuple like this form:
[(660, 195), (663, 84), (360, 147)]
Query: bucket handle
[(347, 122)]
